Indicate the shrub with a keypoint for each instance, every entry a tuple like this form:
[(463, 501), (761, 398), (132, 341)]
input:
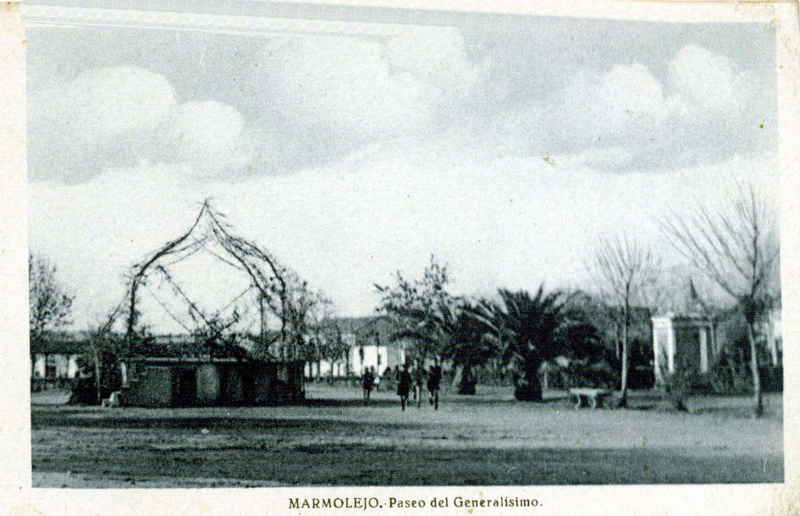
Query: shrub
[(679, 386), (584, 373), (84, 390), (731, 376)]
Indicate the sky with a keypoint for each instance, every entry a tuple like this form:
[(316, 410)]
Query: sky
[(503, 149)]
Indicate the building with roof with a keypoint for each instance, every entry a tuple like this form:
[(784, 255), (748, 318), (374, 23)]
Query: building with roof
[(206, 381), (54, 360), (370, 344), (687, 342), (695, 342)]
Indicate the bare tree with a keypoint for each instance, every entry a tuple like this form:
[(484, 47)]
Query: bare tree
[(626, 272), (49, 303), (325, 341), (303, 308), (103, 350), (737, 248)]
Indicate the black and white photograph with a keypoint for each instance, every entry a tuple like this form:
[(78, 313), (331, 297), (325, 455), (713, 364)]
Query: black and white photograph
[(280, 245)]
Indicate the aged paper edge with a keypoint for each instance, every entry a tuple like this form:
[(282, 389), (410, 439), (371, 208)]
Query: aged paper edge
[(17, 497)]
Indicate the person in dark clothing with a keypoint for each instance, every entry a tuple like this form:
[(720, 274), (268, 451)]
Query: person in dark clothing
[(367, 382), (419, 381), (434, 380), (404, 386), (388, 377)]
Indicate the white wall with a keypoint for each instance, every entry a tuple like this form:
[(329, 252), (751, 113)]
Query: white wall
[(376, 357), (66, 365)]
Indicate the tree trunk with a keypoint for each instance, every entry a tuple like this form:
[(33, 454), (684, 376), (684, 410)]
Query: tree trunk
[(757, 398), (97, 373), (623, 395), (530, 389), (467, 383)]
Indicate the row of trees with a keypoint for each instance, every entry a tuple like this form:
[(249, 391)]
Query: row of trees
[(524, 330), (736, 248)]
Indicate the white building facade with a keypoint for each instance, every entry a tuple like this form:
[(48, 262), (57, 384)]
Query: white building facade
[(685, 343)]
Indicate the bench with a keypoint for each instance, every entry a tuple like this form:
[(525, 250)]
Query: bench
[(592, 397), (112, 400)]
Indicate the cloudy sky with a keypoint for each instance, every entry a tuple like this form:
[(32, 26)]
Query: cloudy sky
[(504, 149)]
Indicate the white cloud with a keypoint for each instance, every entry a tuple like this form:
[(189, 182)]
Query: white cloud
[(343, 86), (210, 136), (437, 56), (317, 99), (707, 83), (117, 116), (622, 108), (110, 102), (626, 119), (627, 97), (337, 92), (74, 123)]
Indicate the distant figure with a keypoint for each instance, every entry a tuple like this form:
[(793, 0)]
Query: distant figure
[(419, 381), (377, 377), (367, 382), (387, 377), (434, 380), (403, 386)]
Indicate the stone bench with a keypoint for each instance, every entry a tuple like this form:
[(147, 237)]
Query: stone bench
[(112, 400), (589, 397)]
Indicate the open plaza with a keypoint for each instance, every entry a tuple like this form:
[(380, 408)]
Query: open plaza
[(335, 439)]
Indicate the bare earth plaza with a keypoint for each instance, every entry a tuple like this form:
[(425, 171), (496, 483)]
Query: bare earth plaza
[(326, 247)]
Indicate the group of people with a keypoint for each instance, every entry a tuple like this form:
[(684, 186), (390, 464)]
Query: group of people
[(408, 383)]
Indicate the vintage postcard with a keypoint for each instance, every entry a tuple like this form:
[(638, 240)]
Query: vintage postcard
[(301, 258)]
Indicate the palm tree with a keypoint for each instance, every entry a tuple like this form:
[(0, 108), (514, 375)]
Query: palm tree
[(471, 341), (538, 328)]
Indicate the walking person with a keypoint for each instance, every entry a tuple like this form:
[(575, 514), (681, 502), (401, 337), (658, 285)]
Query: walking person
[(367, 383), (376, 374), (403, 386), (419, 381), (434, 381), (388, 377)]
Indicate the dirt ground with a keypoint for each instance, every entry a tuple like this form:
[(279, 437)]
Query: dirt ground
[(335, 439)]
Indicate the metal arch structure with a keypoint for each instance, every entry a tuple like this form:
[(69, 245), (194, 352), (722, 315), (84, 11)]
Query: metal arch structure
[(271, 280)]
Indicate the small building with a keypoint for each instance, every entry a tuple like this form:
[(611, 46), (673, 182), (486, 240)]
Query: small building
[(773, 334), (370, 345), (685, 343), (196, 381), (54, 360)]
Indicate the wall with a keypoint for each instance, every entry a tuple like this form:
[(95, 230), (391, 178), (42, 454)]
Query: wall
[(66, 366), (208, 384), (377, 357), (687, 348), (219, 383), (150, 386), (263, 384)]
